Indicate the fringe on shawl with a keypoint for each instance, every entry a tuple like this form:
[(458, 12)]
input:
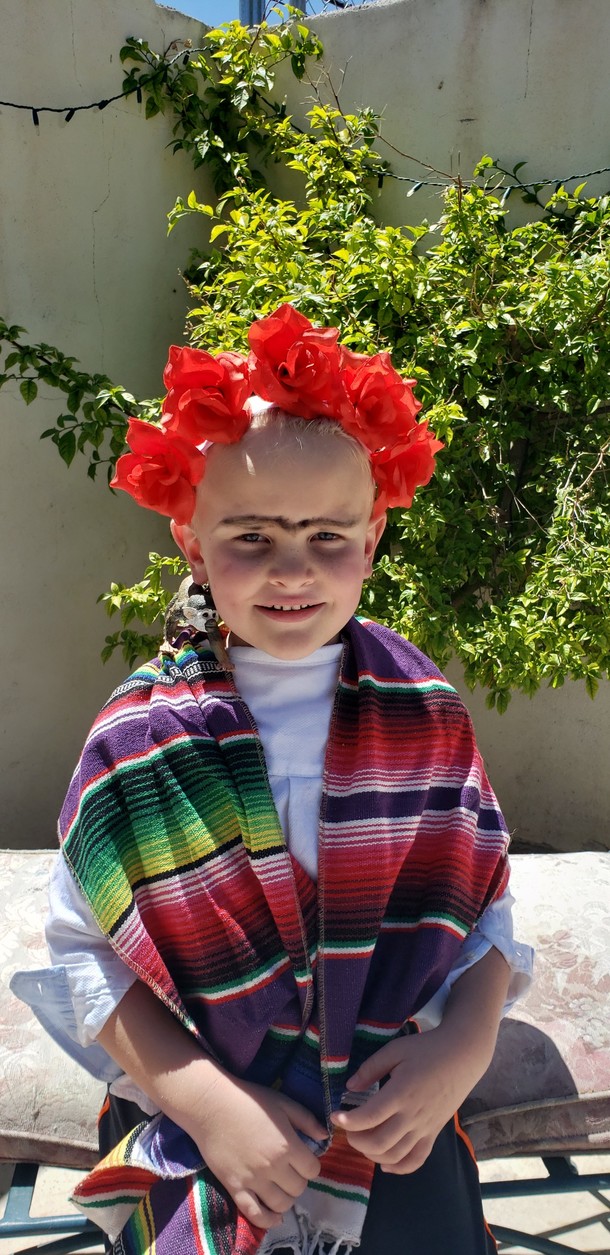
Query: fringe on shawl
[(308, 1241)]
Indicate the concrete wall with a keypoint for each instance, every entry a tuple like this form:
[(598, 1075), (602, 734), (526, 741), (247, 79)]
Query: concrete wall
[(85, 265), (547, 758), (454, 79)]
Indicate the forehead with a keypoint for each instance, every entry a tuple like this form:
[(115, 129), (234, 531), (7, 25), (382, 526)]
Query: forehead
[(289, 476)]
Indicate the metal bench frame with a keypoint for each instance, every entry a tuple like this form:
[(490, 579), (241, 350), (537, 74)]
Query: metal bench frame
[(79, 1233)]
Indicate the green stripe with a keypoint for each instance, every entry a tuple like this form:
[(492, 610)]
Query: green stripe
[(399, 686), (200, 1186), (112, 1199), (199, 991), (359, 1197), (416, 920)]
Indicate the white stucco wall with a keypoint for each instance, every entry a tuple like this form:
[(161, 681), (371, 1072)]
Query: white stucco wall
[(455, 79), (85, 265), (547, 758)]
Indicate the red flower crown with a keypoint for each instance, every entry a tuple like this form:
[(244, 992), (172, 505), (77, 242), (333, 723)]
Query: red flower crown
[(303, 370)]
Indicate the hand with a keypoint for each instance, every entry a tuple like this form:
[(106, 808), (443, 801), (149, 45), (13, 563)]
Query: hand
[(250, 1142), (429, 1077), (246, 1133)]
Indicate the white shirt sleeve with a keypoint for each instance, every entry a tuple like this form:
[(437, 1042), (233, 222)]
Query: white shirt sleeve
[(494, 928), (97, 977)]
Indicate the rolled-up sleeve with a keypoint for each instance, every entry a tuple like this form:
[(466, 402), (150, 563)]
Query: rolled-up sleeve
[(494, 928), (97, 978)]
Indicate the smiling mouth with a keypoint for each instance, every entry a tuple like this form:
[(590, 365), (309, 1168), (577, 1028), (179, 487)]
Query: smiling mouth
[(305, 605)]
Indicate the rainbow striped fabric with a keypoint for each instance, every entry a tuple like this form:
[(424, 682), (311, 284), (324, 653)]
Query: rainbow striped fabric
[(169, 827)]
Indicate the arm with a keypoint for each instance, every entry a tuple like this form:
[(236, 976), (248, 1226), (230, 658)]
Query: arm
[(247, 1134), (494, 928), (430, 1074)]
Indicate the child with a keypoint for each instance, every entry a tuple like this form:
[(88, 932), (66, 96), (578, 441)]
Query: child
[(281, 855)]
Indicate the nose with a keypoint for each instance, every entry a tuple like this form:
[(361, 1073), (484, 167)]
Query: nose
[(291, 568)]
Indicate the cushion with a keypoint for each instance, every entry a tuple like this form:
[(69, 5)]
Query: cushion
[(548, 1087), (48, 1104)]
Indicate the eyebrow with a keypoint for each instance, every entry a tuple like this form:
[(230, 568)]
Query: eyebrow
[(278, 520)]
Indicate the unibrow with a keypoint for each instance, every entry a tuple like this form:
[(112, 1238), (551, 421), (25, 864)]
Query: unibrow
[(259, 520)]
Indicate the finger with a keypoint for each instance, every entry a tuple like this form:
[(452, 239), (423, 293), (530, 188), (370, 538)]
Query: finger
[(378, 1108), (379, 1142), (292, 1181), (413, 1159), (378, 1066), (304, 1162), (275, 1198), (394, 1152), (304, 1120), (255, 1211)]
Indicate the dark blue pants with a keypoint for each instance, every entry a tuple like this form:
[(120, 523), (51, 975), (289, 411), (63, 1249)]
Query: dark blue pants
[(436, 1210)]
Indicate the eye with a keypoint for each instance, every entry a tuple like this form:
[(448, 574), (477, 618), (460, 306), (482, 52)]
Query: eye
[(326, 536), (251, 538)]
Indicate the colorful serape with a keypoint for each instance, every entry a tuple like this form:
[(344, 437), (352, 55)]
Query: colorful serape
[(169, 827)]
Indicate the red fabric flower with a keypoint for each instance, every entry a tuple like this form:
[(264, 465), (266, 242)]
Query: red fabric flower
[(383, 404), (161, 472), (407, 465), (295, 365), (206, 395)]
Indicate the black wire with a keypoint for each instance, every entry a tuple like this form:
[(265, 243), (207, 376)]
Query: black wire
[(69, 110), (505, 188), (536, 184)]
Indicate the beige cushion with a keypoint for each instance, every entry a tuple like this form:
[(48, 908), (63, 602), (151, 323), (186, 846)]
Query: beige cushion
[(48, 1104), (548, 1088)]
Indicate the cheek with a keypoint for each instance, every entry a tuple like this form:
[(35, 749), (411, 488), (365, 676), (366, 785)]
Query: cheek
[(348, 569), (230, 574)]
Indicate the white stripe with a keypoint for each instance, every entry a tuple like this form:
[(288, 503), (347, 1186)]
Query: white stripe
[(347, 951), (235, 990)]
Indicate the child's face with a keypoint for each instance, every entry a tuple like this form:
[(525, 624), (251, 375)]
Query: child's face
[(284, 536)]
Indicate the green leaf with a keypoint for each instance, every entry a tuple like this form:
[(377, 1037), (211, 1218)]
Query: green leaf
[(29, 390), (130, 54), (67, 446)]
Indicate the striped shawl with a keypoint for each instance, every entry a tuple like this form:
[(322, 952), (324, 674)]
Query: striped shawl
[(170, 829)]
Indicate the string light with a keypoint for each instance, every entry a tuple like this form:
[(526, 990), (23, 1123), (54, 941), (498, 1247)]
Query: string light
[(416, 183), (69, 110), (506, 189)]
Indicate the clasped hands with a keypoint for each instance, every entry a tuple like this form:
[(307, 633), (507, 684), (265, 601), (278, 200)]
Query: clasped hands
[(252, 1143)]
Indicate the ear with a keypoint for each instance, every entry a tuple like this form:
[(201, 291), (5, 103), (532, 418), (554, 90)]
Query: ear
[(374, 533), (188, 541)]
